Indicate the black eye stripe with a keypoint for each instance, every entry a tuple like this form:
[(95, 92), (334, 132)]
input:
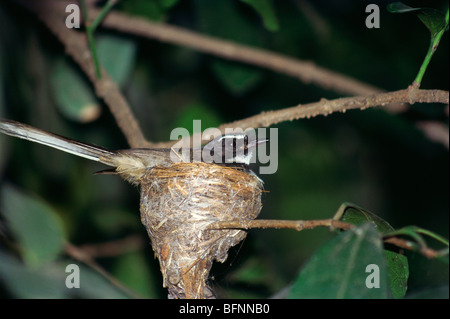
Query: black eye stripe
[(223, 150), (245, 145)]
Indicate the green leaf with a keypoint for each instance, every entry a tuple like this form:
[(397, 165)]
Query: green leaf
[(117, 56), (338, 269), (48, 281), (266, 11), (35, 225), (353, 214), (397, 264), (31, 283), (399, 7), (433, 19), (398, 273), (74, 97)]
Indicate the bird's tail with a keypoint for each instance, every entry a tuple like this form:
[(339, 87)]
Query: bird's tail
[(26, 132)]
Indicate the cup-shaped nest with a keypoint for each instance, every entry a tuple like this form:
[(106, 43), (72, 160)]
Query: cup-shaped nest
[(178, 204)]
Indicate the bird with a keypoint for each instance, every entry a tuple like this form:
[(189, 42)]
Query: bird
[(232, 150)]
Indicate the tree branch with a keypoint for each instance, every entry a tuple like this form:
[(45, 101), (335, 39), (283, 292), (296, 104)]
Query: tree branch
[(306, 71), (300, 225), (52, 13), (297, 225), (326, 107)]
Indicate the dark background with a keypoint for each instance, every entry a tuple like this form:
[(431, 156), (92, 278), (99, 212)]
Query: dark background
[(372, 158)]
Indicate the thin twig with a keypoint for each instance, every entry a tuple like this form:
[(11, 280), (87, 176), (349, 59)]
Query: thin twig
[(300, 225), (405, 244), (297, 225), (327, 107)]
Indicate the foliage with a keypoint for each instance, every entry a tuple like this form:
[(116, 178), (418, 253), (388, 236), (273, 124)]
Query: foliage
[(374, 158), (435, 20)]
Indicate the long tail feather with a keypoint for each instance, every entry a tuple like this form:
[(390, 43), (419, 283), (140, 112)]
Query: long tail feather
[(26, 132)]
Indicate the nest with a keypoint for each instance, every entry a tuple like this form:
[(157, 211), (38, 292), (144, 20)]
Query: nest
[(178, 203)]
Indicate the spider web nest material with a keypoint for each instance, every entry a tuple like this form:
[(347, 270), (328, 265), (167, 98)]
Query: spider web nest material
[(178, 203)]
